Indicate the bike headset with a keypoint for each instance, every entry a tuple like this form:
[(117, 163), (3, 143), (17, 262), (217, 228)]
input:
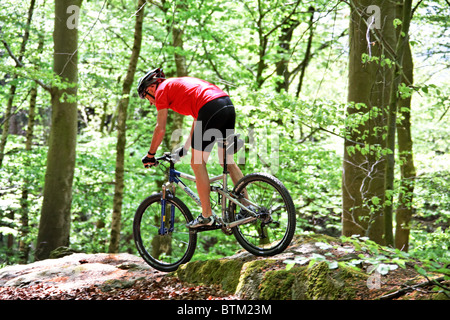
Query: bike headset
[(153, 76)]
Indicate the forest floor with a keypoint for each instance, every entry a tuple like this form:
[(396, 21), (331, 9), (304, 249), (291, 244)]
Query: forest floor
[(98, 277), (126, 277)]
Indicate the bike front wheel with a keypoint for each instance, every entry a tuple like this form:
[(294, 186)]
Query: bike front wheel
[(164, 246), (274, 228)]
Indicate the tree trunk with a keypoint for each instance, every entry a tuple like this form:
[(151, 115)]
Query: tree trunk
[(6, 122), (24, 248), (174, 120), (264, 34), (284, 40), (121, 131), (54, 226), (307, 52), (402, 41), (180, 61), (407, 168), (368, 96)]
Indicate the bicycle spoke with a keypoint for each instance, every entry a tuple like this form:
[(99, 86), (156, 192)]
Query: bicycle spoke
[(162, 247), (275, 223)]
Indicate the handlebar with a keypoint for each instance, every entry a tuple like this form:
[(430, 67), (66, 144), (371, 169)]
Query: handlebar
[(168, 157)]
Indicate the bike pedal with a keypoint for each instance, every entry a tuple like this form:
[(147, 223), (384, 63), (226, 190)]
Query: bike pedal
[(208, 228)]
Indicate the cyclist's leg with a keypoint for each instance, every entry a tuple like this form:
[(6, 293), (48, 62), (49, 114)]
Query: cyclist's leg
[(199, 160), (213, 120), (221, 124)]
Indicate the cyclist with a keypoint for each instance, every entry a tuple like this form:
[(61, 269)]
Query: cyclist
[(214, 117)]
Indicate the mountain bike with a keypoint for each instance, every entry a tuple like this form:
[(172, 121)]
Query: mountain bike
[(258, 211)]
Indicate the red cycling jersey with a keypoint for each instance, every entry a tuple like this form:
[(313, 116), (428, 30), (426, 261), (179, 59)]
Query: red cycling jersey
[(186, 95)]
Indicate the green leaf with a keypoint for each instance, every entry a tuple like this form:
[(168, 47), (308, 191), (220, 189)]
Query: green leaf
[(333, 265), (323, 245), (376, 200), (289, 265), (421, 270), (384, 269), (397, 22)]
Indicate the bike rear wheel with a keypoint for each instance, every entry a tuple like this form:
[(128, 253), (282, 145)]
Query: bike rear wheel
[(164, 250), (272, 232)]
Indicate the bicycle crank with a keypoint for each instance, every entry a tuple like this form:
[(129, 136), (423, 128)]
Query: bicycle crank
[(239, 222)]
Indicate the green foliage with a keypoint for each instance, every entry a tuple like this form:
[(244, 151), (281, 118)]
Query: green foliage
[(93, 192), (430, 254), (298, 139), (284, 138), (432, 250), (23, 170)]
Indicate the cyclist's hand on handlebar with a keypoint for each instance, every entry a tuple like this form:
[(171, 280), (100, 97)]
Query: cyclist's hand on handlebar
[(149, 161)]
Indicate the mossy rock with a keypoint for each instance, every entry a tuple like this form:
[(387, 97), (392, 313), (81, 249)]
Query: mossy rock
[(268, 278), (222, 272), (260, 280), (326, 284), (251, 277), (283, 285), (299, 283)]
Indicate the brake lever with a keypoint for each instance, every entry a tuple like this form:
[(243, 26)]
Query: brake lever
[(172, 158)]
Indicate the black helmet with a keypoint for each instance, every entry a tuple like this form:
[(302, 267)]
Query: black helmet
[(150, 78)]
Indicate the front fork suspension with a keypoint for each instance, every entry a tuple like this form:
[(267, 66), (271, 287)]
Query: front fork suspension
[(167, 194)]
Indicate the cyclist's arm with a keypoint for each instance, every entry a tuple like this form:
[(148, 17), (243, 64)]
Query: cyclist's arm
[(160, 130)]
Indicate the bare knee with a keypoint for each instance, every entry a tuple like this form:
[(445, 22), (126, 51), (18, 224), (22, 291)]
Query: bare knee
[(197, 163), (197, 166)]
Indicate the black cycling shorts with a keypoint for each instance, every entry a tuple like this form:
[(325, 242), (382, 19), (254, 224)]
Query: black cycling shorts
[(216, 120)]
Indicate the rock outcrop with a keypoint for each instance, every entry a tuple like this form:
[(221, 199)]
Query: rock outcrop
[(77, 270), (312, 268), (256, 278)]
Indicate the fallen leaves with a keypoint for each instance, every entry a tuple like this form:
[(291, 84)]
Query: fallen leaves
[(161, 288)]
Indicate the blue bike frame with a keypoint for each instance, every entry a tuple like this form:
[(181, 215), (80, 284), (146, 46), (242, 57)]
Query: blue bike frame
[(174, 177)]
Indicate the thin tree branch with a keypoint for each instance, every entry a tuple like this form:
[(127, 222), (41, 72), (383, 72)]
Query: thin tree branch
[(403, 291), (20, 64)]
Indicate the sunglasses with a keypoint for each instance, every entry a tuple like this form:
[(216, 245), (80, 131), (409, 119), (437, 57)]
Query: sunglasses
[(146, 93)]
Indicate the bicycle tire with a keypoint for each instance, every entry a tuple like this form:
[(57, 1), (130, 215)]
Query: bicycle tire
[(260, 237), (168, 251)]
